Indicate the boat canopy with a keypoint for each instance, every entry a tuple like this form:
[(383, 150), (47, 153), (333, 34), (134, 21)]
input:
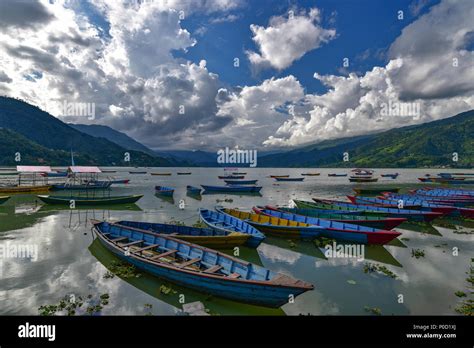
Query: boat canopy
[(81, 169), (33, 169)]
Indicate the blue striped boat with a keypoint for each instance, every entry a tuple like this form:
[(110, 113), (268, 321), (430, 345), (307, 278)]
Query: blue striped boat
[(164, 191), (337, 230), (193, 190), (88, 186), (225, 222), (310, 205), (446, 192), (240, 182), (199, 268), (233, 188)]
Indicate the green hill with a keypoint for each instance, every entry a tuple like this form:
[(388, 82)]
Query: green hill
[(428, 144), (50, 133)]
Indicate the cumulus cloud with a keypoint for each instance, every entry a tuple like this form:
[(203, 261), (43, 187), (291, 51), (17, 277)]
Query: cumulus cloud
[(287, 39)]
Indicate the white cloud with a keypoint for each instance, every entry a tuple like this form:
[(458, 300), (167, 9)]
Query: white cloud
[(287, 39)]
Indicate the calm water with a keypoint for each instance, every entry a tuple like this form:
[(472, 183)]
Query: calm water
[(69, 262)]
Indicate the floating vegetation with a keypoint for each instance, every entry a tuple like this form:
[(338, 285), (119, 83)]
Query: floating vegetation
[(445, 224), (175, 222), (292, 244), (166, 290), (72, 305), (372, 267), (199, 224), (227, 200), (417, 253), (321, 242), (463, 232), (373, 310), (460, 294), (405, 239), (122, 270), (352, 282), (148, 308), (466, 307)]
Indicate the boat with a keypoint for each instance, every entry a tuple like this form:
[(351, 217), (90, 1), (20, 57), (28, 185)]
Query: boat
[(9, 173), (393, 176), (82, 200), (445, 192), (54, 174), (240, 182), (363, 179), (310, 174), (87, 186), (109, 171), (239, 173), (161, 174), (24, 189), (279, 176), (183, 173), (112, 182), (138, 172), (276, 226), (228, 223), (199, 268), (412, 215), (337, 230), (231, 188), (325, 210), (193, 190), (336, 174), (164, 191), (374, 190), (231, 177), (289, 179), (407, 204), (208, 237), (454, 174), (368, 221), (3, 199)]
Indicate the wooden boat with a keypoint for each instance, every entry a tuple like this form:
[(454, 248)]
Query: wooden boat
[(230, 177), (412, 215), (310, 174), (138, 172), (193, 190), (24, 189), (54, 174), (289, 179), (164, 191), (240, 182), (3, 199), (113, 182), (80, 200), (221, 221), (379, 202), (161, 174), (184, 173), (337, 230), (109, 171), (363, 179), (445, 192), (232, 188), (336, 174), (276, 226), (279, 176), (199, 268), (325, 210), (9, 173), (87, 186), (368, 221), (374, 190), (454, 174), (393, 176), (208, 237), (239, 173)]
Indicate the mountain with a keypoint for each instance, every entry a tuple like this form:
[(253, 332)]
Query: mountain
[(428, 144), (48, 132), (197, 157), (112, 135)]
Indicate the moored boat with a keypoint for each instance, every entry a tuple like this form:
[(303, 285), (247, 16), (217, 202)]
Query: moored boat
[(161, 174), (208, 237), (231, 177), (92, 201), (337, 174), (193, 190), (138, 172), (326, 209), (374, 190), (86, 186), (363, 179), (200, 268), (24, 189), (228, 223), (393, 176), (240, 182), (337, 230), (112, 182), (3, 199), (231, 188), (183, 173), (239, 173), (401, 203), (164, 190), (289, 179), (279, 176), (310, 174)]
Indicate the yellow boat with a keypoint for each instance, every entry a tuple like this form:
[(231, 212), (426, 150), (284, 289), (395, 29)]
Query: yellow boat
[(275, 226), (24, 189)]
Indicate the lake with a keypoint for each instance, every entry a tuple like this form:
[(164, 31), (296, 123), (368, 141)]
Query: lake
[(70, 262)]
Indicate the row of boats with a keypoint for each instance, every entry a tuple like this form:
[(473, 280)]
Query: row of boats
[(188, 256)]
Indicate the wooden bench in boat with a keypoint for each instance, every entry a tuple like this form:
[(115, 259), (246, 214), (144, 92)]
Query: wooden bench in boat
[(189, 262), (234, 276), (166, 253), (132, 243), (213, 269), (116, 240), (151, 246)]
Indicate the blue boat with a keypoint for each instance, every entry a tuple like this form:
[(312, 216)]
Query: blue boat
[(225, 222), (446, 192), (289, 179), (393, 176), (310, 205), (88, 186), (337, 230), (199, 268), (232, 188), (113, 182), (240, 182), (337, 174), (164, 191), (193, 190)]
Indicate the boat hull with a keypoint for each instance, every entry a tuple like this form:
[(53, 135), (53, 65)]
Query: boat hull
[(92, 202), (25, 189), (4, 199), (231, 188)]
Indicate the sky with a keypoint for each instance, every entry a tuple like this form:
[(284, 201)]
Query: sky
[(207, 74)]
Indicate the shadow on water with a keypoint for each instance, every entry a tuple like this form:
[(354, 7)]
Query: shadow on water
[(151, 285), (422, 227), (196, 196), (300, 246), (168, 199), (254, 194), (380, 254)]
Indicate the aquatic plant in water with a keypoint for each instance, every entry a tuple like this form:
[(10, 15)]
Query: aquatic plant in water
[(417, 253), (71, 305), (371, 267)]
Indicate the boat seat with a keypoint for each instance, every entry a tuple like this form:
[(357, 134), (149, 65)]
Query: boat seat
[(166, 253), (118, 239), (234, 275), (151, 246), (213, 269), (132, 243), (189, 262)]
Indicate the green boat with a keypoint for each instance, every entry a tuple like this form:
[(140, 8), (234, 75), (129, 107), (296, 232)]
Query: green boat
[(3, 199), (375, 190), (79, 200)]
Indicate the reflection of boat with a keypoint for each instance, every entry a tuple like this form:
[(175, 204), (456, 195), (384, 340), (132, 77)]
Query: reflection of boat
[(200, 268), (79, 200), (151, 285), (298, 246), (279, 176), (289, 179), (208, 237), (4, 199), (240, 182), (233, 188), (193, 190), (221, 221), (164, 191)]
